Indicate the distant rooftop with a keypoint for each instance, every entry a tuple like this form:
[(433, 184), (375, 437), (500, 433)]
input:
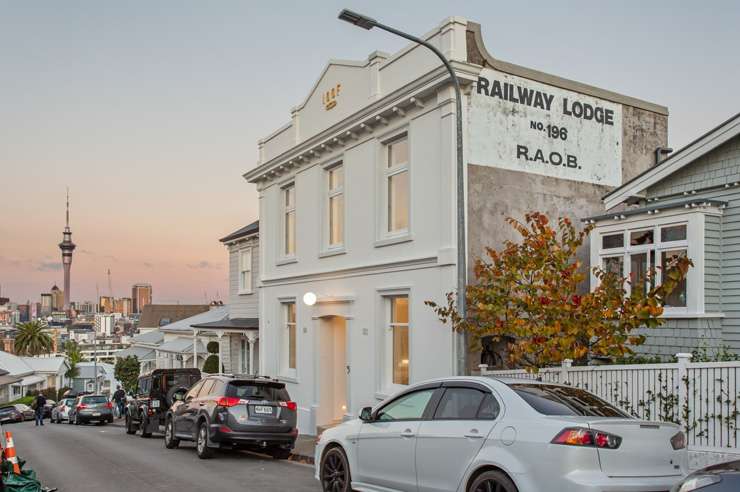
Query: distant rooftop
[(247, 230), (157, 315)]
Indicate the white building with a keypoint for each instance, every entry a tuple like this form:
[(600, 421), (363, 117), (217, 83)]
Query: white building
[(105, 324), (358, 205)]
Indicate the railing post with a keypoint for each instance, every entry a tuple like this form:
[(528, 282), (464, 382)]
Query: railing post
[(483, 368), (564, 375), (683, 393)]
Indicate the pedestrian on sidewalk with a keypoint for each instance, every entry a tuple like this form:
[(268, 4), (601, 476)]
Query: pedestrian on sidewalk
[(120, 398), (38, 405)]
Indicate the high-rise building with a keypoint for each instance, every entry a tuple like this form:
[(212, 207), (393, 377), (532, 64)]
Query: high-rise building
[(67, 247), (57, 299), (141, 295), (122, 306), (106, 304), (46, 305), (104, 324)]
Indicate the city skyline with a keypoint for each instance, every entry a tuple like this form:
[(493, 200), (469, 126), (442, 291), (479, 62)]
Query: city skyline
[(153, 124)]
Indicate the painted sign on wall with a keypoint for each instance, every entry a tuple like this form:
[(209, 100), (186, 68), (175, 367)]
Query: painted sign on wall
[(522, 125)]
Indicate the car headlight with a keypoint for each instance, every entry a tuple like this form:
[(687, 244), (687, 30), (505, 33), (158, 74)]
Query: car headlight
[(699, 482)]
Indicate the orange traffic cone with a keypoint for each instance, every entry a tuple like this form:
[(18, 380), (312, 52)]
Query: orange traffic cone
[(10, 453)]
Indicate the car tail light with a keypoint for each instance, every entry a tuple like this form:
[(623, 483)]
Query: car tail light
[(225, 429), (109, 405), (678, 441), (227, 401), (290, 405), (81, 406), (578, 436)]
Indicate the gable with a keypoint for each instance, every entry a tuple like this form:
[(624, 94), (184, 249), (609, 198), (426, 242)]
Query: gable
[(716, 168), (342, 89)]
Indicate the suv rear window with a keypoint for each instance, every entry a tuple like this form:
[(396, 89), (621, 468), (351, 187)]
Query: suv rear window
[(565, 400), (179, 380), (94, 399), (251, 390)]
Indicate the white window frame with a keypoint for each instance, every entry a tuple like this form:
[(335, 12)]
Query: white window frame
[(285, 371), (385, 236), (385, 385), (284, 211), (693, 244), (243, 288), (328, 249)]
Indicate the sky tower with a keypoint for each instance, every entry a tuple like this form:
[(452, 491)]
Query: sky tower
[(67, 247)]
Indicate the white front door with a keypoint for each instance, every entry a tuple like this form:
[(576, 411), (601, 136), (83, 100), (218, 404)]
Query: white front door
[(448, 442), (386, 450)]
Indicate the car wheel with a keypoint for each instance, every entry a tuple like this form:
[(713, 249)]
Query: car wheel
[(335, 475), (201, 443), (492, 481), (130, 429), (170, 441), (279, 454), (144, 433)]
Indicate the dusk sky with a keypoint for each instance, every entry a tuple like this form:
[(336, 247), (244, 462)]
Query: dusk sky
[(150, 112)]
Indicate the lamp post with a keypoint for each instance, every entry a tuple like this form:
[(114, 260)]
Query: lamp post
[(368, 23)]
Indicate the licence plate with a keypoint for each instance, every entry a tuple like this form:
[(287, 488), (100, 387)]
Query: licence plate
[(96, 414), (263, 410), (155, 403)]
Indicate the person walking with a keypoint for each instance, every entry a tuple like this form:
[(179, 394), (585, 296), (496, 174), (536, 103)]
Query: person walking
[(120, 398), (38, 405)]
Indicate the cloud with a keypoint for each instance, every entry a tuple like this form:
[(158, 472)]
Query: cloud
[(205, 265), (148, 265), (86, 252), (49, 266)]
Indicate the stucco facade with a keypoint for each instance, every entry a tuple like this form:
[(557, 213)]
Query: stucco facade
[(371, 128)]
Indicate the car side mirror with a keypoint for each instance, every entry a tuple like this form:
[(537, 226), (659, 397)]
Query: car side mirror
[(366, 414)]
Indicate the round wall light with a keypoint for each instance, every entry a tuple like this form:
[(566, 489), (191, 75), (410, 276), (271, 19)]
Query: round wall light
[(309, 298)]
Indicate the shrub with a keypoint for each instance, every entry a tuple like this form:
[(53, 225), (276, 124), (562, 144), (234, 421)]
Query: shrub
[(212, 347)]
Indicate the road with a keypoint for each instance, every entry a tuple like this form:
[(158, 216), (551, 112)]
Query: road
[(105, 458)]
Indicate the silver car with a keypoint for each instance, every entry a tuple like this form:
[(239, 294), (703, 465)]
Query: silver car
[(480, 434), (60, 412)]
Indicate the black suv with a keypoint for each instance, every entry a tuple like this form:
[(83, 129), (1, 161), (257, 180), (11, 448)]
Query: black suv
[(248, 412), (154, 396)]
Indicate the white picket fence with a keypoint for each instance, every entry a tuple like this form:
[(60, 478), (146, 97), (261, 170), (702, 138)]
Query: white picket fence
[(702, 397)]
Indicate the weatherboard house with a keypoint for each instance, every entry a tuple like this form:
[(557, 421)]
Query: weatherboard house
[(688, 204), (358, 205)]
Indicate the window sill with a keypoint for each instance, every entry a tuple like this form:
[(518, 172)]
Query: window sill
[(405, 238), (332, 252), (245, 292), (286, 261), (687, 315)]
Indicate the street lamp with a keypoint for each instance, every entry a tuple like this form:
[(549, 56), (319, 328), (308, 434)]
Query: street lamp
[(366, 22)]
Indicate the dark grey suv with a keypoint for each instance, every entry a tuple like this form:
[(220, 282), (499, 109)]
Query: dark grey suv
[(234, 412)]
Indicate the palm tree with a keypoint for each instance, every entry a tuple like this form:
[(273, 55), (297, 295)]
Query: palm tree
[(32, 339), (74, 357)]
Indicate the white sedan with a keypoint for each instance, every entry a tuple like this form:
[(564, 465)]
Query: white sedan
[(480, 434)]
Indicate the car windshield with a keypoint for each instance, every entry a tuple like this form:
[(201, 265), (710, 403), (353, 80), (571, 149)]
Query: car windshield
[(5, 410), (251, 390), (565, 400), (180, 380), (68, 401), (95, 399)]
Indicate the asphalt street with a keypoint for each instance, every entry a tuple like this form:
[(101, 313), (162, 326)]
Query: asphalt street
[(105, 458)]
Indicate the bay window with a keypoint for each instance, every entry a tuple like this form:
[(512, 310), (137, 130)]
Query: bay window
[(633, 248)]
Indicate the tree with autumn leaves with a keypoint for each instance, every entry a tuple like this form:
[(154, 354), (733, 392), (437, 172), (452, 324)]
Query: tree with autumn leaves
[(527, 296)]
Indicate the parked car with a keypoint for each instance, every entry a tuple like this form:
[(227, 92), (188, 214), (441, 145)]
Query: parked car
[(91, 408), (234, 412), (154, 396), (480, 434), (724, 477), (27, 412), (48, 407), (10, 414), (60, 412)]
